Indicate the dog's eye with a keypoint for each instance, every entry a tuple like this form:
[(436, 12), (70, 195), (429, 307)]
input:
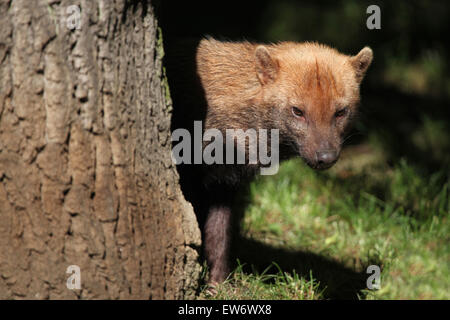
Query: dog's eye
[(341, 113), (297, 112)]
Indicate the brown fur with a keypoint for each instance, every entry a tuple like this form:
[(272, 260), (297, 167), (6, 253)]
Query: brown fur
[(244, 82), (308, 91)]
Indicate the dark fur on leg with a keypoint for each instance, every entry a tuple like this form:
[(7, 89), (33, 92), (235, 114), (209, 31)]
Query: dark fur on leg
[(217, 242)]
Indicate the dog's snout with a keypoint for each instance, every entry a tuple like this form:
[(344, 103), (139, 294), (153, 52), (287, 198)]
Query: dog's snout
[(326, 158)]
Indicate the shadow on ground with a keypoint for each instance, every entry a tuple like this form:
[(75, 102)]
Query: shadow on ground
[(336, 281)]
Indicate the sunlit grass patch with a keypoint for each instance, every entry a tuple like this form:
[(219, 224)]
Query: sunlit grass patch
[(265, 286), (357, 215)]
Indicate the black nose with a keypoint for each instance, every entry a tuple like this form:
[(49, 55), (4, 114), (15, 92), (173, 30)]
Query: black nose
[(326, 158)]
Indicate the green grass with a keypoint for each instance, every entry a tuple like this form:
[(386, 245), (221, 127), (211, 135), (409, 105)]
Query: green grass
[(265, 285), (329, 226)]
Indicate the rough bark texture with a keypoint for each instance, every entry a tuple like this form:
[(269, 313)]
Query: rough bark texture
[(86, 176)]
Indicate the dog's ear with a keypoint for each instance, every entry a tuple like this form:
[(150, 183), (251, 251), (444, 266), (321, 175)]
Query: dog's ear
[(361, 62), (266, 66)]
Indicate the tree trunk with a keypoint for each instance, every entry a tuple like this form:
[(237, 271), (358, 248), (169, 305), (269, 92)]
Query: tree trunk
[(86, 175)]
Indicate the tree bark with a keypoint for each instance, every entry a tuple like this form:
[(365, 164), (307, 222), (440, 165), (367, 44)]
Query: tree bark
[(86, 175)]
